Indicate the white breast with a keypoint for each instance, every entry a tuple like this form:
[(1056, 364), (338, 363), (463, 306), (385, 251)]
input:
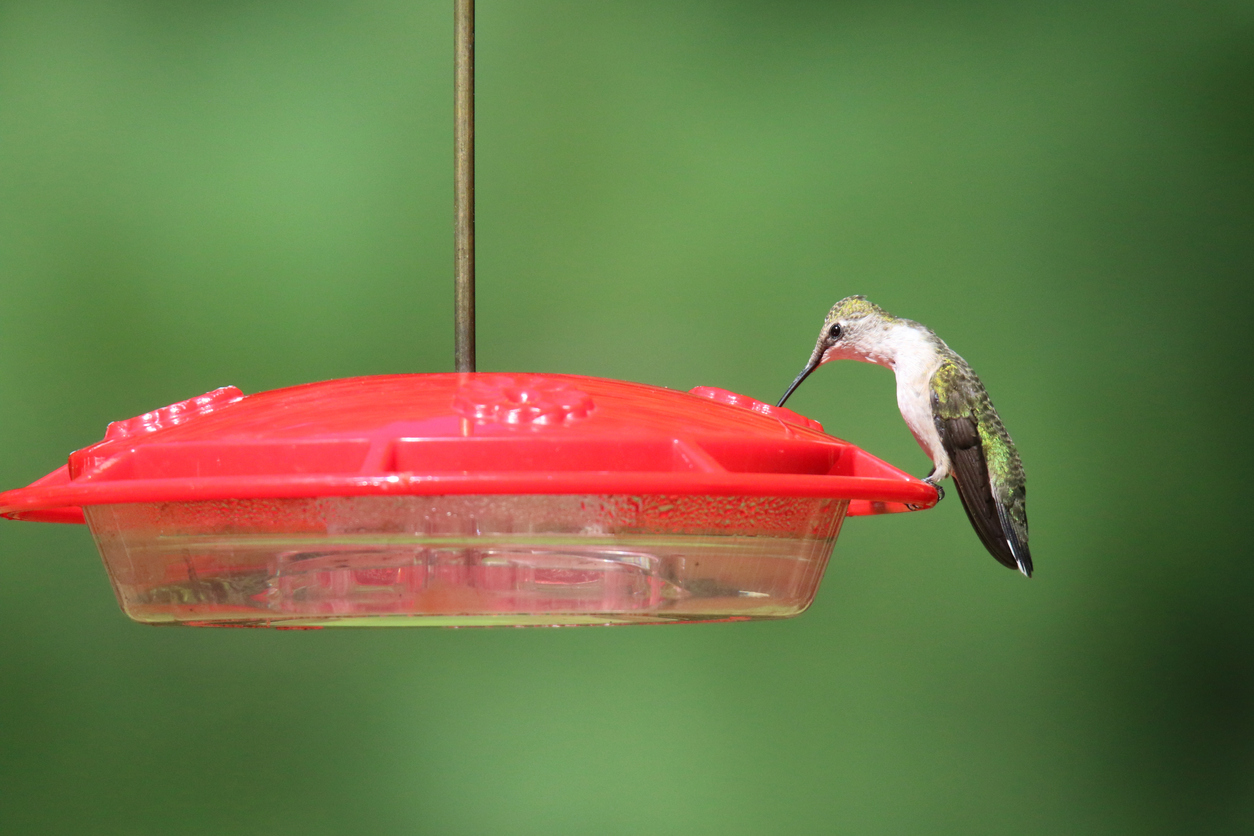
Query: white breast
[(914, 361)]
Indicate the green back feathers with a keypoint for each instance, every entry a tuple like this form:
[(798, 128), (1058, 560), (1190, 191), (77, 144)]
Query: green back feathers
[(999, 454), (958, 393)]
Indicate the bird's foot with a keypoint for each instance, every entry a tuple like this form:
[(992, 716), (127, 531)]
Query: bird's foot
[(940, 492)]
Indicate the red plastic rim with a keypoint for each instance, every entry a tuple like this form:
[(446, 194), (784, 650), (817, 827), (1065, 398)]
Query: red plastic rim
[(465, 434)]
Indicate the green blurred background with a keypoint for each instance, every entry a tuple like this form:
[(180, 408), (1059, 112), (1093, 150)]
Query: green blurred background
[(258, 193)]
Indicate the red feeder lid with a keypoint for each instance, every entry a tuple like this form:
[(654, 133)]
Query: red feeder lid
[(465, 434)]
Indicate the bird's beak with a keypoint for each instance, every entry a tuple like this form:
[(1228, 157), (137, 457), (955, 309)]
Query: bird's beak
[(811, 366)]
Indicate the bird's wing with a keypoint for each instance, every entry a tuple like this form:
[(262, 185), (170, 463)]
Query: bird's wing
[(989, 515), (1010, 492)]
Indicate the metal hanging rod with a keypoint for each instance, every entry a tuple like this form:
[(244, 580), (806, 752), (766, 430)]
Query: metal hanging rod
[(464, 184)]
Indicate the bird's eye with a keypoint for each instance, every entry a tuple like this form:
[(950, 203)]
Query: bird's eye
[(834, 332)]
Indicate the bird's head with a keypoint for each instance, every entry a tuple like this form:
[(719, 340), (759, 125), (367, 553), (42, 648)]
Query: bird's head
[(854, 329)]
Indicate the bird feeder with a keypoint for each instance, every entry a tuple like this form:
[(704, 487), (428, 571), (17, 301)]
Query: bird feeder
[(467, 498)]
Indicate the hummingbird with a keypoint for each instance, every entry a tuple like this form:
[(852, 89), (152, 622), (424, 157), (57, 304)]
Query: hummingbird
[(949, 413)]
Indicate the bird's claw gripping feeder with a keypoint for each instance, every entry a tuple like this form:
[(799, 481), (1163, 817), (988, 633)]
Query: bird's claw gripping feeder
[(465, 499)]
